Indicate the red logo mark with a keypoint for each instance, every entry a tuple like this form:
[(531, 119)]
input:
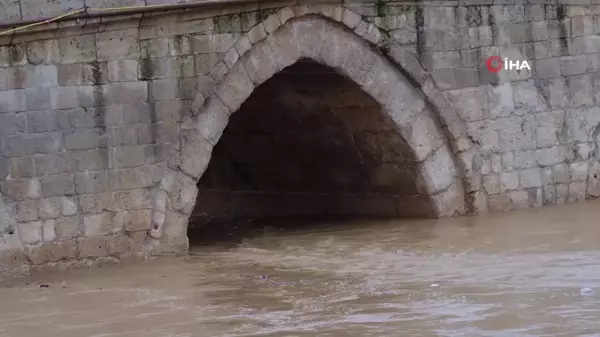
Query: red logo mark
[(490, 64)]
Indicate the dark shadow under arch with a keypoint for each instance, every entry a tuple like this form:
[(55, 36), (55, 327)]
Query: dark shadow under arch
[(311, 144)]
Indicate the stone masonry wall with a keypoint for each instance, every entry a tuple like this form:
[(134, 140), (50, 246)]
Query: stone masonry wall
[(107, 124)]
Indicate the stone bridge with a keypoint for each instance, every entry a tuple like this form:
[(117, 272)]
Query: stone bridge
[(120, 121)]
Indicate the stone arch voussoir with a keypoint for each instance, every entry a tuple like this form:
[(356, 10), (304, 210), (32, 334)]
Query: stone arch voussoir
[(345, 46)]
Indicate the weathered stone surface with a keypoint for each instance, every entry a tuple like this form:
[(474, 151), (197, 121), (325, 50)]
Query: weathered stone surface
[(52, 252), (92, 247)]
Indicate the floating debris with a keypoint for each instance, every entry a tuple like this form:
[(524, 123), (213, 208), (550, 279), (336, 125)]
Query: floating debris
[(44, 286), (587, 292)]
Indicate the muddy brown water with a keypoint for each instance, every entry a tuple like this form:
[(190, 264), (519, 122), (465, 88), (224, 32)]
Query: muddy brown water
[(514, 274)]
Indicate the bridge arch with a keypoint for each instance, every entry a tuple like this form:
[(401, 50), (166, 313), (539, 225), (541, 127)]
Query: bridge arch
[(257, 59)]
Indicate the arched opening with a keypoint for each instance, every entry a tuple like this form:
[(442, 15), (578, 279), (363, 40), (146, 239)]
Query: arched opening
[(307, 142), (386, 158)]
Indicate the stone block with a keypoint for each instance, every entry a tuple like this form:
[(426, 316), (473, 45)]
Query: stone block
[(92, 247), (579, 91), (441, 17), (547, 128), (577, 191), (164, 89), (53, 252), (519, 199), (94, 73), (27, 210), (138, 114), (470, 103), (137, 220), (549, 195), (118, 45), (77, 49), (484, 133), (95, 203), (100, 224), (91, 182), (118, 244), (13, 257), (134, 178), (38, 98), (49, 230), (40, 76), (581, 123), (578, 171), (131, 200), (561, 173), (78, 118), (64, 97), (516, 132), (94, 95), (593, 189), (548, 68), (219, 71), (179, 45), (92, 160), (547, 176), (508, 161), (509, 181), (21, 189), (124, 136), (562, 193), (167, 67), (169, 111), (542, 49), (438, 171), (573, 65), (42, 121), (56, 163), (499, 202), (181, 190), (129, 92), (195, 153), (11, 11), (69, 74), (424, 137), (58, 185), (500, 100), (122, 71), (31, 232), (51, 208), (21, 167), (12, 123), (82, 139), (257, 33), (286, 52), (131, 156), (530, 178), (69, 206), (551, 156), (202, 44), (491, 184), (13, 101), (67, 228)]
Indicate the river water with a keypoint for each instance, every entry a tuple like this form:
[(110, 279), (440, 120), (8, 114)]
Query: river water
[(514, 274)]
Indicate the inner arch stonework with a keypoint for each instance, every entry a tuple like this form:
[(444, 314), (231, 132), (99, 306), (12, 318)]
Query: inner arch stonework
[(361, 139)]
